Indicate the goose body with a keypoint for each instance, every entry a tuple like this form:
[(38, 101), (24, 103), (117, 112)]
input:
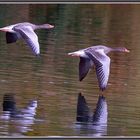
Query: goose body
[(96, 56), (25, 31)]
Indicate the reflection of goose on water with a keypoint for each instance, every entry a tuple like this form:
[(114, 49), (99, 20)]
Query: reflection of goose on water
[(95, 56), (82, 109), (21, 118), (25, 31), (9, 104), (92, 123)]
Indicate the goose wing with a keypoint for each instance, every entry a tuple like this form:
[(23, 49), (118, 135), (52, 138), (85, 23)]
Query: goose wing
[(102, 66), (11, 37), (84, 66), (30, 37)]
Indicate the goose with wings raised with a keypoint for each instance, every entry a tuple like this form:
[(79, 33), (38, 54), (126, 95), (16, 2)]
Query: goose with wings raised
[(95, 56), (25, 31)]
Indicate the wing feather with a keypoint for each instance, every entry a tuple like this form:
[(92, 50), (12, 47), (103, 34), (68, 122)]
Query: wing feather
[(102, 66), (84, 66), (29, 36), (11, 37)]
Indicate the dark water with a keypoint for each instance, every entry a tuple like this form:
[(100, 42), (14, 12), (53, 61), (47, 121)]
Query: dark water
[(51, 80)]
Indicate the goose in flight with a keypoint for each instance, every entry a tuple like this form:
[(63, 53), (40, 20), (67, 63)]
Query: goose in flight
[(25, 31), (95, 56)]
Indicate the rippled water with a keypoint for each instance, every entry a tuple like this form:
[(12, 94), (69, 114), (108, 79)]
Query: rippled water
[(51, 80)]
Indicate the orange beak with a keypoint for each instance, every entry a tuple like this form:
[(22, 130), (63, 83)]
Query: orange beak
[(4, 30), (51, 26), (126, 50), (73, 54)]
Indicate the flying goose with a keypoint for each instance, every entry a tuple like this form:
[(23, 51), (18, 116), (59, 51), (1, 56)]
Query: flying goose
[(25, 31), (95, 56)]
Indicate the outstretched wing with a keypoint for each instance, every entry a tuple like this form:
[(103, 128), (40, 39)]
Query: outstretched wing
[(84, 66), (102, 66), (11, 37), (29, 36)]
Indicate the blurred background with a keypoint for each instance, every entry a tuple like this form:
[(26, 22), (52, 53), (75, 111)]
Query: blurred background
[(51, 80)]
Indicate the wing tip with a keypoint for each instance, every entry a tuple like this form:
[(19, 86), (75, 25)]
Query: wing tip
[(102, 88), (37, 54), (80, 79)]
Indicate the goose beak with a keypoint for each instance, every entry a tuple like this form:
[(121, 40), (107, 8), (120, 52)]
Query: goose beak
[(4, 29), (51, 26), (73, 54), (126, 50)]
